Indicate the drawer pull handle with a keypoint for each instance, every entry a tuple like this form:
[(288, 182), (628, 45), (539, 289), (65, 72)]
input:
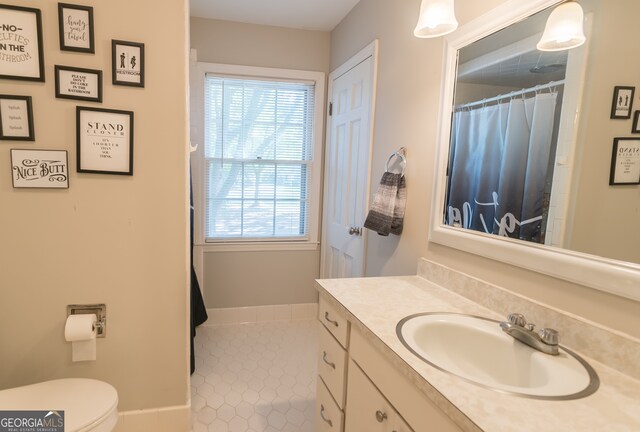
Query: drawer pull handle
[(326, 316), (329, 422), (380, 416), (324, 358)]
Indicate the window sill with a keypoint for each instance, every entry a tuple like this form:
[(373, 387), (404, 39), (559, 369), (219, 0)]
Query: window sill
[(258, 246)]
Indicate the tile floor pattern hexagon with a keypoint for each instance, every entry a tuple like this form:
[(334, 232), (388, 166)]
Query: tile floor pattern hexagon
[(258, 377)]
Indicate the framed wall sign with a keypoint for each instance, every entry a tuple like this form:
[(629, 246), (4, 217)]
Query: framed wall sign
[(622, 102), (104, 141), (75, 25), (21, 50), (625, 162), (77, 83), (127, 63), (635, 127), (39, 169), (16, 118)]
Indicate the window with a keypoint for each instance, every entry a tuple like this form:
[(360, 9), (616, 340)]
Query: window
[(260, 164)]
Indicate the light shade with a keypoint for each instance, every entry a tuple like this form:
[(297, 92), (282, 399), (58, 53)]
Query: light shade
[(564, 29), (437, 18)]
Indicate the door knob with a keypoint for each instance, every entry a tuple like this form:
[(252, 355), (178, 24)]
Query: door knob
[(354, 231)]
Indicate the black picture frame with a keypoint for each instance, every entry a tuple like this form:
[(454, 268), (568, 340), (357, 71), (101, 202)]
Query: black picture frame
[(31, 135), (64, 92), (77, 35), (635, 126), (39, 169), (622, 102), (125, 56), (630, 154), (104, 141), (33, 67)]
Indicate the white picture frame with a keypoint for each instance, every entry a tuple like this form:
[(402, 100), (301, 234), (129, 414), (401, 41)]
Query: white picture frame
[(43, 169)]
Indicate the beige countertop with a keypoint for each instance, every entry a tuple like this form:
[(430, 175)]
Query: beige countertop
[(375, 305)]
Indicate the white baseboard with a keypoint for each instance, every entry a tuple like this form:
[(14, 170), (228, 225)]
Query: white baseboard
[(254, 314), (165, 419)]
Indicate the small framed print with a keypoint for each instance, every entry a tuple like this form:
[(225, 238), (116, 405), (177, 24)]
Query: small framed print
[(79, 84), (127, 63), (625, 162), (21, 48), (16, 118), (104, 141), (622, 102), (75, 26), (635, 127), (46, 169)]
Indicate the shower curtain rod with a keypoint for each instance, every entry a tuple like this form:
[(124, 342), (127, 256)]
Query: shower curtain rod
[(511, 95)]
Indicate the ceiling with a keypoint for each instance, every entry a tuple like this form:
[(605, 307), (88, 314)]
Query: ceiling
[(301, 14)]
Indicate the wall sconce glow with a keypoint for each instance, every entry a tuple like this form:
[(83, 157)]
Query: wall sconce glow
[(437, 18), (564, 29)]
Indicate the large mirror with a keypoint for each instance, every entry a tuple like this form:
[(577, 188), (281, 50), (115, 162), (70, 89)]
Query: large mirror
[(526, 145)]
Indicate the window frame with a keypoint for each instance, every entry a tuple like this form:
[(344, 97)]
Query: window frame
[(198, 77)]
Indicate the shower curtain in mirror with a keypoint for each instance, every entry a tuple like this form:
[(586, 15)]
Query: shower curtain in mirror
[(498, 167)]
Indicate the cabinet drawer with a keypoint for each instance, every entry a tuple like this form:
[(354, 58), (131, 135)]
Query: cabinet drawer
[(329, 418), (332, 362), (367, 409), (414, 406), (335, 322)]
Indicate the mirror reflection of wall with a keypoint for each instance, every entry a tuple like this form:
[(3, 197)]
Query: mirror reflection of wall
[(517, 166)]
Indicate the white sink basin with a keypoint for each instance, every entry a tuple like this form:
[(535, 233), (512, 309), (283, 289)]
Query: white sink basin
[(477, 350)]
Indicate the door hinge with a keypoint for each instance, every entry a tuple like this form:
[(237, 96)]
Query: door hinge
[(330, 108)]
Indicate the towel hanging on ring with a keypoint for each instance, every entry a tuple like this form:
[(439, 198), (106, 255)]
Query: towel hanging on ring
[(386, 215)]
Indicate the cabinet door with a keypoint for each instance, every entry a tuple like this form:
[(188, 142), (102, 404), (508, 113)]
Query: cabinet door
[(367, 410)]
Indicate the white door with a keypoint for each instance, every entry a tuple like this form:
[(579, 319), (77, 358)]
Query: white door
[(347, 163)]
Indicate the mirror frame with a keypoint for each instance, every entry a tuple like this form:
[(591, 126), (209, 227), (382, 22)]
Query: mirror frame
[(613, 276)]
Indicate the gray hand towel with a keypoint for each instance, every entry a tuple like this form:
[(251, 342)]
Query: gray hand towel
[(387, 212)]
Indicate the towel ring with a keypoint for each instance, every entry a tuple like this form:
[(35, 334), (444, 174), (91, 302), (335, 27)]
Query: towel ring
[(403, 160)]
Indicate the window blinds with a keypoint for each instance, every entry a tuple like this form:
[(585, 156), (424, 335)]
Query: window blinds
[(258, 156)]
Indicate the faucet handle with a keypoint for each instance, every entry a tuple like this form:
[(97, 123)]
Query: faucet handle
[(549, 336), (517, 319)]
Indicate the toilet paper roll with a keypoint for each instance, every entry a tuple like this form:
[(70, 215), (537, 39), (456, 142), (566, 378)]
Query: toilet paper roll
[(81, 332)]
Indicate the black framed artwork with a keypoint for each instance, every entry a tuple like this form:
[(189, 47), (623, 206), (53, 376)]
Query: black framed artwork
[(622, 102), (104, 141), (75, 28), (21, 48), (625, 162), (16, 118), (635, 127), (42, 169), (127, 61), (78, 83)]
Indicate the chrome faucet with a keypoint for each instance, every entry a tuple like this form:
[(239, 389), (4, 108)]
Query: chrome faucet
[(545, 340)]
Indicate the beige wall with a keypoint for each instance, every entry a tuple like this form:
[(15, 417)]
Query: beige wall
[(409, 79), (238, 279), (604, 215), (115, 239), (269, 278)]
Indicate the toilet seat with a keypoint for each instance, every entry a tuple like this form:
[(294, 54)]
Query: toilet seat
[(88, 404)]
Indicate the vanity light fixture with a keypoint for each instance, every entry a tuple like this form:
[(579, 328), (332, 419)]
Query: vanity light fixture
[(437, 18), (564, 29)]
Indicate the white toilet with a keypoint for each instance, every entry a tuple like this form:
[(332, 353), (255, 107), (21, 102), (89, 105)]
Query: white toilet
[(88, 404)]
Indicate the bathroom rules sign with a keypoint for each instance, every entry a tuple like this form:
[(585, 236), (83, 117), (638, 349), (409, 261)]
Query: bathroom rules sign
[(104, 141), (21, 43)]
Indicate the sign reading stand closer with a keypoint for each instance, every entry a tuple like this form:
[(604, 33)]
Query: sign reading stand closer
[(104, 141)]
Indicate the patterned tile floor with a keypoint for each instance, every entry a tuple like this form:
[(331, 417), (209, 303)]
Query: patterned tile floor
[(258, 377)]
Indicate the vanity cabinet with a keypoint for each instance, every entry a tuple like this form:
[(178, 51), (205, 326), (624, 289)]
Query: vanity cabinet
[(359, 389)]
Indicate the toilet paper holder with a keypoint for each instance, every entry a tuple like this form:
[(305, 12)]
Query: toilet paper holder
[(101, 315)]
